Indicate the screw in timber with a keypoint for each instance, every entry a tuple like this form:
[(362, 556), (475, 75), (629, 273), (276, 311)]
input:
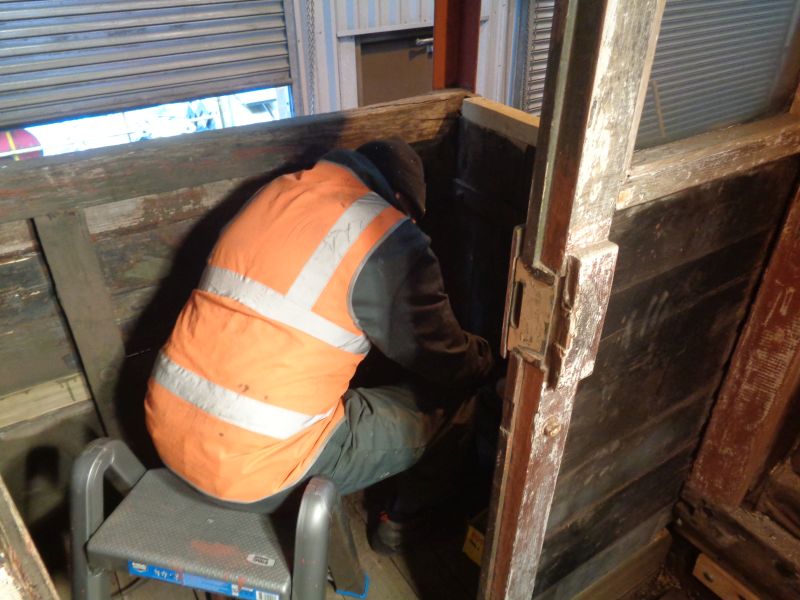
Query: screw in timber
[(552, 427)]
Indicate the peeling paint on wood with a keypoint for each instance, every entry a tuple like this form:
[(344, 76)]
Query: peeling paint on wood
[(605, 49), (725, 153)]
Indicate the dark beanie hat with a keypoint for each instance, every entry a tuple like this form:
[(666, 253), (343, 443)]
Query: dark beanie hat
[(402, 168)]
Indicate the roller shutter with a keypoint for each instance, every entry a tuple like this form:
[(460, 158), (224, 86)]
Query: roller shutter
[(66, 58), (717, 63), (540, 22)]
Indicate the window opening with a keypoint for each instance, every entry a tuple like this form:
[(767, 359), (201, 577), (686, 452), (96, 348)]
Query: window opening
[(166, 120)]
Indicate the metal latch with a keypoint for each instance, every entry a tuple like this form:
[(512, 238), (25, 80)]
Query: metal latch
[(530, 303)]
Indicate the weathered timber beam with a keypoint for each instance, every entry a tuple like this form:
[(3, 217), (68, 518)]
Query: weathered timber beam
[(670, 168), (82, 293), (761, 382), (51, 184), (21, 563), (504, 120), (759, 550)]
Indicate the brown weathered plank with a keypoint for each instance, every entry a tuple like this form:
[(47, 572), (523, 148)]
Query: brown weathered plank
[(157, 210), (670, 168), (760, 383), (17, 237), (760, 551), (659, 237), (78, 280), (720, 581), (598, 526), (108, 175), (609, 559), (20, 562), (780, 499)]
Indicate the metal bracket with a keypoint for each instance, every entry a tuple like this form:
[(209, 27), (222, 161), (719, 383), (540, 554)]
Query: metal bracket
[(529, 310)]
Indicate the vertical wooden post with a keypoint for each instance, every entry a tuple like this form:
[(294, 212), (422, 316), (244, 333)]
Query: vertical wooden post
[(600, 57), (456, 25), (761, 382), (82, 294)]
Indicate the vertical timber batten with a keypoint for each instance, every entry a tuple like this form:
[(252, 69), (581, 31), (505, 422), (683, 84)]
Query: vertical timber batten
[(600, 59), (78, 277)]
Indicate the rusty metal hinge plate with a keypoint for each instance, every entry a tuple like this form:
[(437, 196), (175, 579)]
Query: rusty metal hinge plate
[(530, 303)]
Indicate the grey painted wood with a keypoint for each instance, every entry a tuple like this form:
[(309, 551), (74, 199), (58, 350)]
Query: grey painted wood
[(84, 298)]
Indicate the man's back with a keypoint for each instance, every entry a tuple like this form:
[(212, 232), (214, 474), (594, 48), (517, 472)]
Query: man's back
[(249, 386)]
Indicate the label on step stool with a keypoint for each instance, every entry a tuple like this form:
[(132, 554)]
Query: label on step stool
[(198, 582)]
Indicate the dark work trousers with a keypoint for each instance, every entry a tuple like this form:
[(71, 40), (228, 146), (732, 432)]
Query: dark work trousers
[(389, 430)]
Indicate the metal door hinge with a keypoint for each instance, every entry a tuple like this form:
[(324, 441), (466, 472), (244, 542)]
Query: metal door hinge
[(533, 312)]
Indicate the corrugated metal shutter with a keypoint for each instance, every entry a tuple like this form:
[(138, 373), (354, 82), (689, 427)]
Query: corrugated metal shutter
[(64, 58), (716, 63), (540, 22)]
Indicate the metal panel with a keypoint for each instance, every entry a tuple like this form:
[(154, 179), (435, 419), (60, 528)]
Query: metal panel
[(540, 21), (77, 57), (360, 17), (716, 63)]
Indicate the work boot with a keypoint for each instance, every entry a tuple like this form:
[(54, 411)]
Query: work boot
[(388, 536)]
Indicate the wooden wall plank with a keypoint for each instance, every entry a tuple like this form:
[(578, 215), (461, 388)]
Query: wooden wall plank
[(36, 352), (670, 168), (637, 570), (78, 279), (762, 380), (608, 559), (733, 209), (107, 175), (38, 400), (680, 288), (626, 458), (598, 526)]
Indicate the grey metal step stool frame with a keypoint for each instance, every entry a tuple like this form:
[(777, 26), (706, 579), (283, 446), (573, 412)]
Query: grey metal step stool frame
[(321, 523)]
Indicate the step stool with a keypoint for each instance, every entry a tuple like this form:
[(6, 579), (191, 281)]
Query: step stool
[(165, 530)]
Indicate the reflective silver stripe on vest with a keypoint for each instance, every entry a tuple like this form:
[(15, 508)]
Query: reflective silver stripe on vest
[(277, 307), (319, 269), (229, 406)]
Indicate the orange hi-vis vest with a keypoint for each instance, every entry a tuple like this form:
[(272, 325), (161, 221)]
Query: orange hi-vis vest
[(248, 389)]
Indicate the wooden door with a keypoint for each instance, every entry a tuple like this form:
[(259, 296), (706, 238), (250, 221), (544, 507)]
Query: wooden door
[(563, 265)]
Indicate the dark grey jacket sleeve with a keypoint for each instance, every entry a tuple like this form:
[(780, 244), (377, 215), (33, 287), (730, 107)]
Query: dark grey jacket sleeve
[(398, 300)]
